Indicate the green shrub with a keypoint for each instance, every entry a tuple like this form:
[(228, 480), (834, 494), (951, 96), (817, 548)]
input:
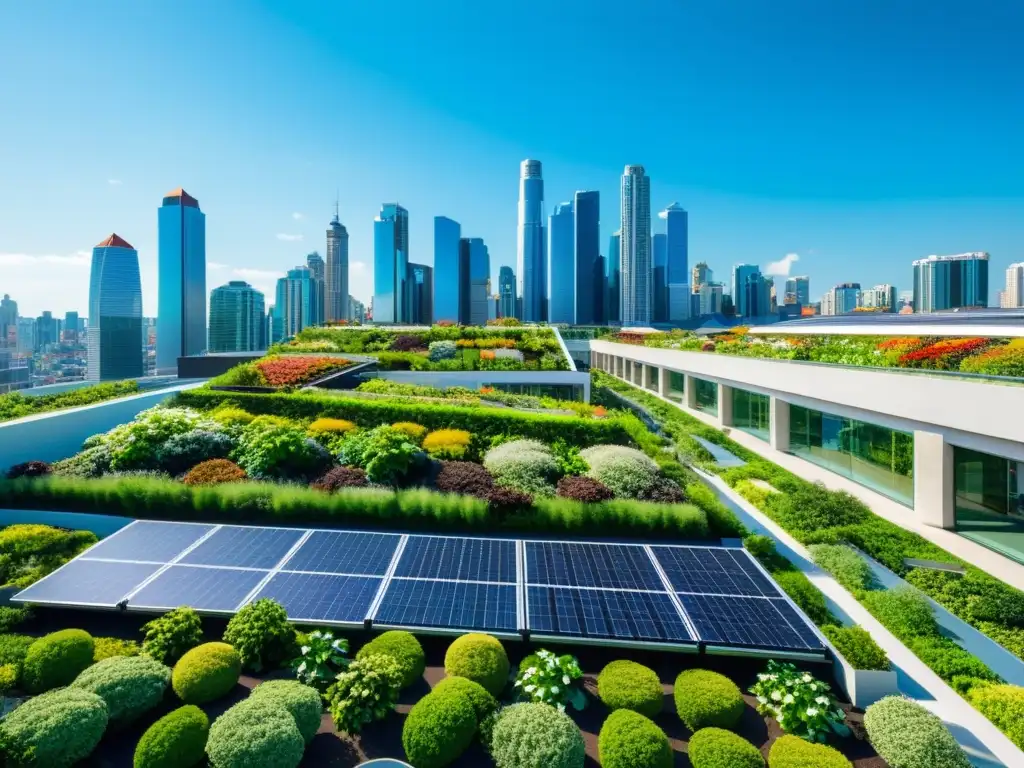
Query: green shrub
[(533, 735), (168, 637), (627, 471), (705, 698), (56, 660), (947, 659), (255, 732), (11, 617), (438, 729), (90, 462), (628, 685), (184, 451), (109, 647), (137, 444), (261, 634), (404, 648), (129, 685), (630, 740), (269, 451), (1004, 706), (794, 752), (58, 728), (717, 748), (206, 673), (13, 648), (906, 735), (29, 552), (14, 405), (176, 740), (480, 658), (366, 691), (302, 702), (9, 674), (523, 465), (857, 646), (849, 569), (904, 611)]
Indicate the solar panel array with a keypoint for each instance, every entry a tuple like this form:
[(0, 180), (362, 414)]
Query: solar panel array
[(688, 597)]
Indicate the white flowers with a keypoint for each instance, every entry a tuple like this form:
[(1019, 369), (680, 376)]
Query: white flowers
[(305, 649), (822, 700), (565, 680), (776, 695), (807, 678), (812, 712), (788, 699)]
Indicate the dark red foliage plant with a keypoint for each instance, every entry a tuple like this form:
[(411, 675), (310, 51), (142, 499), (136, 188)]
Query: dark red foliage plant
[(664, 491), (584, 489), (341, 477), (505, 501), (406, 343), (464, 477), (28, 469)]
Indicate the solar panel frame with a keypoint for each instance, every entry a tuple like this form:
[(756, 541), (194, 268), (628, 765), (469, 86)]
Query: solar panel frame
[(98, 551), (70, 567), (403, 588), (294, 579), (185, 577)]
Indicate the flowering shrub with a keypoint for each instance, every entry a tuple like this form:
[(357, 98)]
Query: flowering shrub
[(214, 472), (328, 432), (553, 680), (28, 469), (296, 371), (321, 657), (442, 350), (464, 477), (366, 691), (803, 706), (944, 355), (136, 445), (1006, 360), (488, 354), (523, 465), (627, 471), (585, 489), (447, 443), (341, 477)]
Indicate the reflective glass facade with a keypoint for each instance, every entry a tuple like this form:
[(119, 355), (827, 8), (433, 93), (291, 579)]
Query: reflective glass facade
[(677, 264), (705, 395), (447, 275), (392, 300), (181, 285), (562, 265), (531, 253), (652, 378), (589, 264), (676, 386), (751, 412), (874, 456), (115, 313), (990, 500), (612, 309)]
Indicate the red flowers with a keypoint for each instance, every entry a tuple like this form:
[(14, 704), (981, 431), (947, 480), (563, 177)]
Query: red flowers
[(902, 344), (945, 354), (295, 371)]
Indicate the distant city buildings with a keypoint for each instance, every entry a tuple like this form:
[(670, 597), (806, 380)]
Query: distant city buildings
[(659, 277), (636, 266), (841, 300), (391, 297), (8, 321), (562, 264), (951, 282), (448, 272), (711, 295), (880, 298), (701, 274), (613, 282), (1013, 295), (315, 263), (741, 274), (357, 310), (798, 291), (507, 292), (181, 266), (295, 303), (531, 256), (589, 267), (479, 281), (421, 286), (115, 341), (336, 288), (677, 263), (237, 318)]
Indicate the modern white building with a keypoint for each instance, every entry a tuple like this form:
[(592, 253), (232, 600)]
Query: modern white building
[(636, 270), (1013, 296), (881, 298)]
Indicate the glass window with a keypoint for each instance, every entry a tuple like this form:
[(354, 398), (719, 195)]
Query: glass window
[(989, 498), (705, 395), (750, 412), (652, 378), (676, 385)]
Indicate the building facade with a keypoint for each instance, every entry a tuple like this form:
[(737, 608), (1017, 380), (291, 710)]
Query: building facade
[(421, 285), (798, 291), (951, 282), (757, 295), (701, 274), (237, 318), (589, 290), (880, 298), (1013, 295), (447, 270), (677, 275), (741, 274), (562, 264), (659, 257), (479, 281), (711, 295), (506, 292), (613, 282), (115, 313), (8, 321), (295, 305), (636, 267), (181, 265), (315, 263), (392, 301), (531, 254), (336, 293)]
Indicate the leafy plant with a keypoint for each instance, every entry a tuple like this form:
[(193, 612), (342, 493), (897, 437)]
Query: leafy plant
[(857, 647), (255, 732), (137, 445), (167, 638), (553, 680), (464, 477), (627, 471), (568, 457), (29, 552), (321, 657), (366, 691), (276, 451), (848, 568), (447, 443), (176, 740), (533, 735), (55, 660), (182, 452), (262, 635), (90, 462), (523, 465), (1004, 706), (110, 647), (906, 734), (438, 729), (794, 752), (14, 405), (480, 658), (28, 469), (801, 704), (55, 730), (341, 477), (585, 489), (404, 648), (303, 702)]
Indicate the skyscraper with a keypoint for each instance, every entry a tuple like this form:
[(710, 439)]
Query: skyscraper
[(421, 286), (115, 312), (881, 298), (336, 272), (479, 281), (70, 335), (659, 256), (531, 258), (295, 305), (711, 295), (562, 264), (757, 295), (181, 266), (951, 282), (316, 265), (392, 302), (635, 248), (613, 282), (589, 290), (237, 318), (701, 274), (8, 321), (47, 331), (841, 300), (506, 292), (741, 273), (1011, 298), (798, 291), (677, 262), (447, 272)]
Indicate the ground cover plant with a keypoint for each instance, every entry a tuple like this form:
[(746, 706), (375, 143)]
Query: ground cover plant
[(15, 405), (29, 552)]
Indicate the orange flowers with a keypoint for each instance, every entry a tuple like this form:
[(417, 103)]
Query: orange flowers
[(295, 371)]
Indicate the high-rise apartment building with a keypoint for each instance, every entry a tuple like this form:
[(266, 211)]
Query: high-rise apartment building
[(181, 267), (115, 312), (295, 305), (8, 321), (421, 286), (741, 275), (447, 269), (951, 282), (70, 334), (1013, 296), (479, 280), (636, 267), (392, 301), (711, 295), (756, 295), (659, 279), (336, 272), (613, 283), (531, 255), (701, 274), (841, 300), (47, 330), (880, 298), (237, 318), (677, 258), (798, 290), (315, 263), (506, 292), (357, 310), (589, 290), (562, 264)]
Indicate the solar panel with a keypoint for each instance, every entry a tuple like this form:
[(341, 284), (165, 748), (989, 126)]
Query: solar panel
[(749, 622), (345, 552), (702, 570), (322, 597), (443, 557), (88, 583), (205, 589), (574, 564), (449, 605), (602, 613), (149, 542), (239, 547)]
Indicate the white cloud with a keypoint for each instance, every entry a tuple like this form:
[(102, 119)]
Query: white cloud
[(288, 238), (257, 274), (298, 216), (357, 267), (215, 265), (114, 182), (782, 267), (77, 259)]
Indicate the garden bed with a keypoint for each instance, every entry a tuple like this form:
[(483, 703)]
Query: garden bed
[(15, 405)]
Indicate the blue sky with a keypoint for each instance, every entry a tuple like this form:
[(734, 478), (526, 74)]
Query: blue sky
[(858, 134)]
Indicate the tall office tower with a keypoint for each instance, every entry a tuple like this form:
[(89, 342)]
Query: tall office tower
[(295, 305), (1011, 298), (951, 282), (636, 268), (701, 274), (8, 321), (841, 300), (70, 335), (447, 272), (357, 310), (677, 274), (881, 298), (115, 312), (316, 265), (479, 280), (589, 289), (613, 282), (464, 292), (47, 331), (493, 303), (531, 255), (237, 318), (711, 295), (757, 295), (798, 290), (336, 272), (741, 274), (391, 296), (506, 292), (26, 335), (562, 264), (181, 267), (421, 286), (659, 256)]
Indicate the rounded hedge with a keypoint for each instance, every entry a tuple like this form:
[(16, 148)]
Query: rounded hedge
[(629, 473), (61, 727), (628, 685), (255, 733), (129, 685), (438, 729), (484, 705), (207, 672), (404, 648), (907, 735), (707, 699), (718, 748), (480, 658), (535, 735), (302, 702), (262, 635), (56, 660), (794, 752), (630, 740), (176, 740)]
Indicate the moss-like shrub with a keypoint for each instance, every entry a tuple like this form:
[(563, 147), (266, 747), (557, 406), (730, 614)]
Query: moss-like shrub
[(849, 569), (56, 660), (857, 647), (535, 735), (261, 634), (304, 703), (483, 703), (794, 752), (438, 729), (447, 443), (904, 611), (9, 674), (628, 685), (168, 637), (810, 599), (630, 740), (109, 647), (176, 740), (527, 466), (718, 748), (404, 648), (29, 552), (341, 477), (707, 699), (90, 462), (129, 685), (480, 658), (464, 477), (206, 673), (14, 648), (182, 452), (255, 733), (628, 472), (906, 735), (1004, 706), (412, 429), (11, 617), (585, 489), (214, 472), (58, 728)]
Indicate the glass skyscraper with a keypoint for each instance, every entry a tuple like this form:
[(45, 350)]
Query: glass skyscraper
[(115, 312), (531, 257), (636, 268), (659, 255), (315, 262), (479, 281), (506, 292), (677, 262), (951, 282), (181, 266), (295, 305), (798, 291), (562, 265), (613, 289), (392, 301), (447, 271), (741, 274), (336, 272), (237, 318), (421, 286), (589, 265)]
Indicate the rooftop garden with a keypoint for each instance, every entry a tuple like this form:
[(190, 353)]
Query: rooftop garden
[(989, 356), (281, 371), (15, 405)]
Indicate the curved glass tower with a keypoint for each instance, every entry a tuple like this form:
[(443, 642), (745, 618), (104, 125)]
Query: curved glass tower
[(115, 312), (531, 256), (181, 264)]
